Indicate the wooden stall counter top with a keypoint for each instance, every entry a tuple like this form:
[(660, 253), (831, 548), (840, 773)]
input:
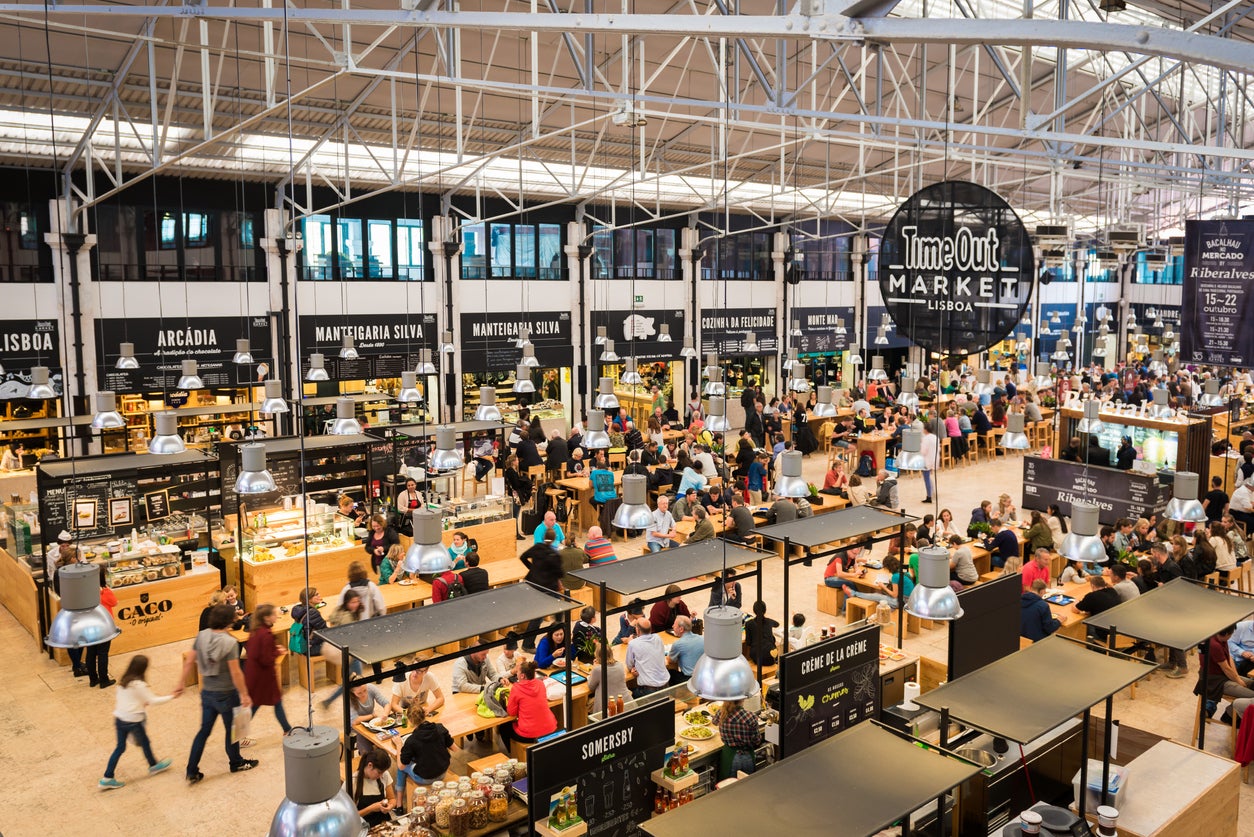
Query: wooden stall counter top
[(1137, 420), (18, 592), (280, 581)]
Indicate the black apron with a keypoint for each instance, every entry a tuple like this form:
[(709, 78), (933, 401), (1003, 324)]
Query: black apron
[(365, 800)]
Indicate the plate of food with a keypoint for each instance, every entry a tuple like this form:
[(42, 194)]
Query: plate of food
[(380, 726), (697, 733), (698, 717), (405, 582)]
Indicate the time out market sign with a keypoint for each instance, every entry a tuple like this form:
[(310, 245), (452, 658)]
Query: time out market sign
[(956, 268)]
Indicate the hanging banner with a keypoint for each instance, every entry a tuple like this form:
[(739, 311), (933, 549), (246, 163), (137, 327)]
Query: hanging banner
[(161, 346), (723, 331), (1218, 272), (487, 340), (386, 344), (956, 268), (639, 330), (27, 343), (818, 329)]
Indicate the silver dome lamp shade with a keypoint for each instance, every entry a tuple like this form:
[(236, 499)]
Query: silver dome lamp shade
[(689, 351), (1156, 364), (983, 382), (855, 356), (634, 512), (1014, 438), (1045, 330), (427, 555), (408, 393), (790, 360), (1082, 542), (1184, 506), (39, 386), (107, 416), (606, 399), (824, 407), (608, 355), (1158, 320), (602, 336), (346, 423), (1055, 317), (243, 353), (1169, 333), (348, 348), (714, 383), (1210, 394), (631, 377), (82, 620), (723, 672), (1081, 319), (529, 359), (881, 336), (166, 440), (190, 379), (1044, 379), (317, 369), (876, 372), (716, 420), (932, 597), (594, 436), (446, 343), (1103, 328), (254, 477), (841, 331), (711, 364), (1131, 319), (664, 333), (1060, 353), (426, 366), (1158, 404), (907, 396), (274, 402), (524, 338), (797, 378), (446, 456), (886, 322), (1091, 423), (911, 456), (522, 380), (790, 482), (316, 802), (795, 331), (126, 358), (750, 343), (487, 409)]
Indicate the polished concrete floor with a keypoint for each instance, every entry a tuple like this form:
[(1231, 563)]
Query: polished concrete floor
[(56, 734)]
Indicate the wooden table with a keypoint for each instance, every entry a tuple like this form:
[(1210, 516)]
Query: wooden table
[(1072, 622), (876, 444), (582, 489)]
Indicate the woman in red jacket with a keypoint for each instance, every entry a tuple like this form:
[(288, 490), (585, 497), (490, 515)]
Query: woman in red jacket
[(98, 654), (259, 667), (529, 705)]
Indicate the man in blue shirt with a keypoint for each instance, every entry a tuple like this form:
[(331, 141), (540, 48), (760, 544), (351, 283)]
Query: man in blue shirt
[(685, 650), (692, 478), (550, 522), (1241, 646), (1003, 545)]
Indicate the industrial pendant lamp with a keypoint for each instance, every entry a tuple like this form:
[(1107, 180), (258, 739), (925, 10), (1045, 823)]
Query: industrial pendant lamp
[(1014, 438), (243, 353), (750, 344), (983, 382), (723, 672), (664, 333), (790, 483), (190, 379), (797, 379), (634, 512), (348, 348), (932, 597), (907, 397), (317, 372), (1131, 320), (82, 620), (166, 440), (855, 356), (1080, 320), (1103, 329), (714, 383), (606, 399), (824, 407), (1184, 506), (1082, 542), (1156, 364), (524, 338), (1210, 394), (1060, 352), (1169, 333), (689, 351), (487, 409), (107, 416), (425, 364), (1158, 404), (529, 359), (427, 555), (522, 380), (911, 456), (716, 420), (1091, 423), (253, 477), (346, 423), (1046, 331), (594, 436), (446, 343), (1158, 320), (408, 393), (1054, 317), (631, 375), (446, 457), (886, 322), (39, 386), (795, 331), (881, 336), (601, 337), (790, 360), (841, 331), (274, 402), (876, 372), (1044, 378), (608, 355), (316, 802), (126, 360)]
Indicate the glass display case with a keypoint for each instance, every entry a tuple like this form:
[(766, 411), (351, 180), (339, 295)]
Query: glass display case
[(145, 561), (475, 511), (21, 528), (272, 534)]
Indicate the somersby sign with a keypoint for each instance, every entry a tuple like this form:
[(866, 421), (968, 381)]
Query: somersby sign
[(956, 268)]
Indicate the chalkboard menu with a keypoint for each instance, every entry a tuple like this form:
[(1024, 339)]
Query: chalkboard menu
[(818, 329), (487, 340), (1218, 272), (286, 473), (162, 345), (387, 345), (66, 505), (828, 687), (608, 763), (157, 504), (723, 331), (1117, 494)]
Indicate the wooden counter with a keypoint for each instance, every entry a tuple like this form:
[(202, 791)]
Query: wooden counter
[(1177, 791), (497, 541), (18, 593), (280, 582)]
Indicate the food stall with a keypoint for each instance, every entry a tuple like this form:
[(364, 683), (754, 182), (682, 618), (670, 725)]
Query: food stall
[(1181, 443), (148, 520)]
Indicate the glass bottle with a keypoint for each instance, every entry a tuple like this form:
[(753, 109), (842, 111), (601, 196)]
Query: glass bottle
[(464, 787), (619, 701), (498, 803), (503, 776), (484, 785), (478, 808)]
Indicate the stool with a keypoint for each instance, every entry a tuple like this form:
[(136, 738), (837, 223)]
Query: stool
[(330, 668), (946, 454), (518, 750), (468, 477), (858, 609), (1201, 713), (831, 600)]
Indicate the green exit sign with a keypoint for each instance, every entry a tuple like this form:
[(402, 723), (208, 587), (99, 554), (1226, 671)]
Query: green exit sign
[(639, 298)]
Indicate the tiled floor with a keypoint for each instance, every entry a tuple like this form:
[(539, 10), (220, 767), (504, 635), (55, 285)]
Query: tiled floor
[(56, 734)]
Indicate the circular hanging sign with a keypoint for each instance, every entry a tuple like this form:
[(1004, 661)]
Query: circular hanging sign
[(956, 268)]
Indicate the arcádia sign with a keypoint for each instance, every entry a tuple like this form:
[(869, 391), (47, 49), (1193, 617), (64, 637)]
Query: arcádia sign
[(956, 268)]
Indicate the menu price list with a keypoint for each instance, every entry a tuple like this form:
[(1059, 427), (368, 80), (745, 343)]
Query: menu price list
[(1218, 271), (828, 687)]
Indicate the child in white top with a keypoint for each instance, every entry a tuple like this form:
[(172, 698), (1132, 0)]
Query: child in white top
[(129, 716)]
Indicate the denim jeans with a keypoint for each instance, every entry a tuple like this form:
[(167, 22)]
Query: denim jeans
[(838, 582), (658, 546), (212, 706), (129, 729), (927, 483), (891, 601), (742, 761), (279, 715), (405, 772)]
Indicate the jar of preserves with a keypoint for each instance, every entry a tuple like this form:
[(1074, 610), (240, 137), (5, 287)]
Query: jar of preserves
[(478, 810), (512, 765), (428, 807), (503, 776), (444, 807), (484, 785), (464, 787), (498, 803), (459, 819), (436, 787)]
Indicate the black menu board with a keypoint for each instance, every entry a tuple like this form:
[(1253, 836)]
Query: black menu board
[(157, 505), (608, 763), (386, 344), (723, 331), (818, 329), (487, 340), (1218, 273), (1117, 494), (162, 345), (67, 505), (286, 473), (23, 344), (828, 687)]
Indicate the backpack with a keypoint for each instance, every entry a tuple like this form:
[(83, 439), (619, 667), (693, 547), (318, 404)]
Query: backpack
[(493, 699), (454, 588), (866, 465), (297, 642)]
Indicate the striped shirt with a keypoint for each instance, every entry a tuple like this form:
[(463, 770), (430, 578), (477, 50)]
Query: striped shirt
[(599, 551)]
